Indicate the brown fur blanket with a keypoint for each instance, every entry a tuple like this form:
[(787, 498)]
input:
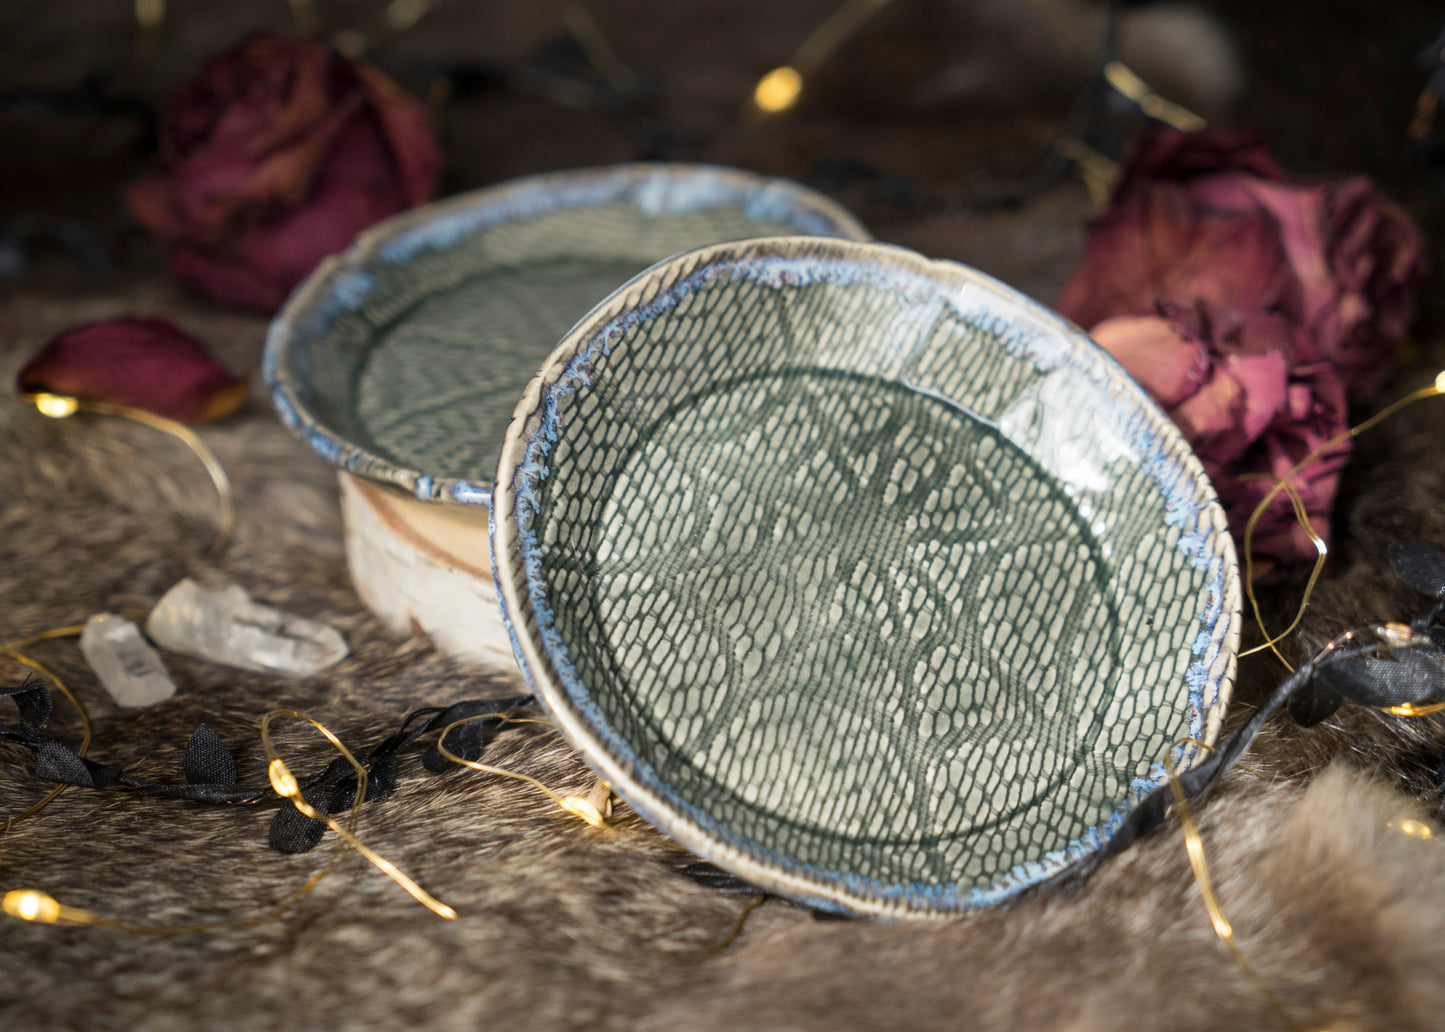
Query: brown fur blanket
[(564, 926)]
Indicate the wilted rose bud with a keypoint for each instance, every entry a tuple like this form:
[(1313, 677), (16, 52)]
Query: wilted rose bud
[(139, 363), (275, 156), (1251, 416)]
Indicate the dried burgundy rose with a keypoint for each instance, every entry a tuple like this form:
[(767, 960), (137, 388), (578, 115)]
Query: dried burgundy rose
[(1250, 416), (140, 363), (274, 157), (1253, 308), (1352, 258), (1154, 245)]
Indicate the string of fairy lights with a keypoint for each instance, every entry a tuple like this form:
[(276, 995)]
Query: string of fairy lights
[(777, 91), (38, 906)]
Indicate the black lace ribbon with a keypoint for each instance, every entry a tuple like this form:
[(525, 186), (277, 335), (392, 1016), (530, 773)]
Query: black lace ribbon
[(333, 789), (209, 771), (1365, 674), (1369, 674)]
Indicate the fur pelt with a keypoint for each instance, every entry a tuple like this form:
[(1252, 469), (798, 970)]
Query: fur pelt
[(565, 926)]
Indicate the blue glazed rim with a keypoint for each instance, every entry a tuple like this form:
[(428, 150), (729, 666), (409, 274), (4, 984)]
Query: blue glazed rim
[(343, 282), (1032, 333)]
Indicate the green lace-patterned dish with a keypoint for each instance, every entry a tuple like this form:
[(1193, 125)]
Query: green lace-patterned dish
[(860, 574), (401, 359)]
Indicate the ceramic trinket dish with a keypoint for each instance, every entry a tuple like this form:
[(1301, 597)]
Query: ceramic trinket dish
[(860, 574), (400, 360)]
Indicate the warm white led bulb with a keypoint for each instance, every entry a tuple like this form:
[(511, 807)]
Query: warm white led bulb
[(1413, 828), (30, 905), (282, 780), (778, 90), (583, 808), (56, 406)]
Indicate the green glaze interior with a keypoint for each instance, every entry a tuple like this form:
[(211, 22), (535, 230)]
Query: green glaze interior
[(424, 350), (860, 574), (434, 388)]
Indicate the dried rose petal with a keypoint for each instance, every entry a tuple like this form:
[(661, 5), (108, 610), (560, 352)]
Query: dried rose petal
[(1167, 364), (1157, 246), (1337, 258), (139, 363), (1176, 157)]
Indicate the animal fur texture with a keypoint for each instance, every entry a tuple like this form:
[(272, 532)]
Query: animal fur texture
[(563, 926), (566, 926)]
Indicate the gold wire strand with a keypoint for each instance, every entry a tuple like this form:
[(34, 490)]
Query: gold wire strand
[(150, 17), (37, 906), (362, 775), (72, 631), (44, 801), (578, 806), (42, 908), (149, 14), (1409, 709), (285, 784), (1286, 483), (1098, 172), (59, 406), (1223, 929), (517, 720), (1322, 551), (1126, 81), (33, 905), (737, 928), (1198, 742), (1425, 106), (50, 675), (833, 32), (1391, 639)]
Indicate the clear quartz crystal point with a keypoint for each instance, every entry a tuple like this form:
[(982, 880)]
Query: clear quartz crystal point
[(132, 671), (225, 626)]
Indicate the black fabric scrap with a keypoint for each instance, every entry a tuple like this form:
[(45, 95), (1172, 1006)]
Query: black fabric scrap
[(210, 773)]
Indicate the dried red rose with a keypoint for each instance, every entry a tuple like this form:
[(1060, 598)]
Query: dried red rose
[(1351, 259), (1161, 155), (1155, 245), (1250, 416), (274, 157), (1253, 308), (140, 363)]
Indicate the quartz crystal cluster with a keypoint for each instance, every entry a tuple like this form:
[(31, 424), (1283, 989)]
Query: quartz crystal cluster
[(224, 625)]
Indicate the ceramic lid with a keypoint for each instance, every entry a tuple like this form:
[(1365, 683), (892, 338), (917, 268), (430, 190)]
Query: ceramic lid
[(860, 574)]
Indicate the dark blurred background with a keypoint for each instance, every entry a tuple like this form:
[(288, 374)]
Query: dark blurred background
[(927, 121)]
